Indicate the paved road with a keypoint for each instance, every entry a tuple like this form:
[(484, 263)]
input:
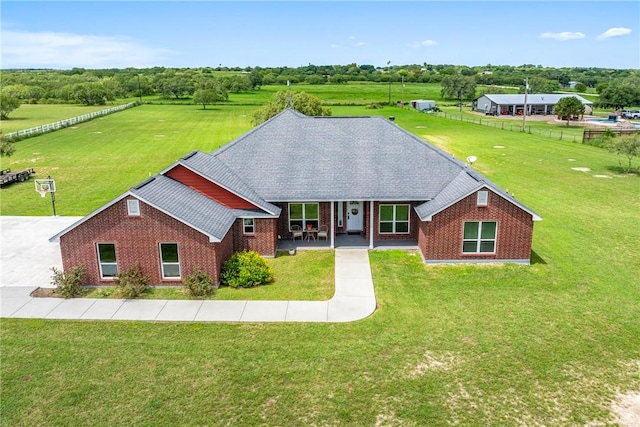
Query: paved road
[(26, 257)]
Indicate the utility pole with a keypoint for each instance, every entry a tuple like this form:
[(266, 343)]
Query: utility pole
[(460, 99), (139, 91), (524, 112), (389, 76)]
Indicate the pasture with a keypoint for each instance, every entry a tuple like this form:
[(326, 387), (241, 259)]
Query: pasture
[(554, 343)]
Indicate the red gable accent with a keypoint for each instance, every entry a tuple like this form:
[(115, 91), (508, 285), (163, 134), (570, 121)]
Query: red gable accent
[(208, 188)]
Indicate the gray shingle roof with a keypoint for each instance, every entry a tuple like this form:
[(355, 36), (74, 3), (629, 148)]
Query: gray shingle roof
[(292, 157), (533, 98), (186, 205)]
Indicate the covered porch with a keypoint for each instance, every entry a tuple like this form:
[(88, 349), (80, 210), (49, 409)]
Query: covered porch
[(345, 241)]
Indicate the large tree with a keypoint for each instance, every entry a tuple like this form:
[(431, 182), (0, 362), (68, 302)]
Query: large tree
[(300, 101), (569, 107), (209, 96), (8, 103), (456, 86)]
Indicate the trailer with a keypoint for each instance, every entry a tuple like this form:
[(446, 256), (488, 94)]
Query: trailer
[(7, 177), (423, 104)]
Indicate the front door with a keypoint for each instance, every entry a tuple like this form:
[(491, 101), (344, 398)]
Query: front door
[(355, 215)]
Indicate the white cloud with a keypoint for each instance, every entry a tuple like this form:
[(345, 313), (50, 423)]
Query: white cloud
[(416, 45), (360, 44), (565, 35), (335, 46), (614, 32), (22, 49)]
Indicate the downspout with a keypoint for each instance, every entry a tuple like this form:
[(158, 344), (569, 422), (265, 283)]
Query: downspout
[(333, 231), (371, 228)]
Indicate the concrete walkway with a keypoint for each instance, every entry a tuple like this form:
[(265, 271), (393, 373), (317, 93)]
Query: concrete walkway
[(26, 257)]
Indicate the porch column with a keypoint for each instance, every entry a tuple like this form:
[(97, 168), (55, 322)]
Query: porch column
[(332, 228), (371, 226)]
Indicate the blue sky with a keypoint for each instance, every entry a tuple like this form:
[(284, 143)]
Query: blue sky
[(102, 34)]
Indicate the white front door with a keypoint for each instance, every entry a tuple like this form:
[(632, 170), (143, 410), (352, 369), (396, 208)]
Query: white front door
[(355, 215)]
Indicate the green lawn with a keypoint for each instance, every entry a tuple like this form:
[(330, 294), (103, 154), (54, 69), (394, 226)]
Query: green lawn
[(548, 344)]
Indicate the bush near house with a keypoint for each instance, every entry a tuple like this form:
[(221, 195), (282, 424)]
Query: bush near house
[(246, 269), (132, 283), (198, 284), (68, 283)]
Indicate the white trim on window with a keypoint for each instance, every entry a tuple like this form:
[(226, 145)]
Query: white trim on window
[(307, 218), (479, 237), (248, 226), (109, 266), (396, 224), (133, 207), (169, 260), (483, 198)]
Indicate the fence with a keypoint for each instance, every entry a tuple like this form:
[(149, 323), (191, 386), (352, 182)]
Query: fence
[(590, 134), (39, 130), (515, 127)]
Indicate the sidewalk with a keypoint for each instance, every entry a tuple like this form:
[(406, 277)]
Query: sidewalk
[(354, 297)]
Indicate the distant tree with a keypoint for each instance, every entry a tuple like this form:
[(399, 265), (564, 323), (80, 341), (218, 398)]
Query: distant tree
[(625, 146), (621, 93), (255, 77), (8, 103), (315, 79), (209, 96), (91, 93), (338, 79), (542, 85), (302, 102), (457, 85), (569, 107), (581, 87), (174, 87)]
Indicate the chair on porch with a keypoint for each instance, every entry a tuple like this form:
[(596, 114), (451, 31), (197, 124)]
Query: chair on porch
[(296, 231), (323, 232)]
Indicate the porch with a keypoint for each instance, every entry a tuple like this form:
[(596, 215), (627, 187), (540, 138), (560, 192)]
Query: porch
[(345, 241)]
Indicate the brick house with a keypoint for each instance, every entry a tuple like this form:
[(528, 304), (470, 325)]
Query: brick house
[(364, 177)]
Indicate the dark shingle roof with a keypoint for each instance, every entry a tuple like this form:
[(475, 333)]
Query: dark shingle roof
[(293, 157)]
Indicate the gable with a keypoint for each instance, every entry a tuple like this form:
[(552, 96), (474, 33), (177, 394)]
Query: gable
[(208, 188)]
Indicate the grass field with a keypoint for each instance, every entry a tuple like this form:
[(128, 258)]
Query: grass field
[(554, 343)]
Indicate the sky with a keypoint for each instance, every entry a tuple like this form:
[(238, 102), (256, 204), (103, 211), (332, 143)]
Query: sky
[(141, 34)]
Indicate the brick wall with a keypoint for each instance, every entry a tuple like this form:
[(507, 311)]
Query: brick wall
[(137, 239), (414, 222), (264, 240), (441, 238)]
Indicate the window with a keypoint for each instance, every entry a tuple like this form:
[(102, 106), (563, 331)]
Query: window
[(479, 237), (107, 260), (248, 226), (169, 258), (133, 207), (394, 219), (303, 214), (483, 198)]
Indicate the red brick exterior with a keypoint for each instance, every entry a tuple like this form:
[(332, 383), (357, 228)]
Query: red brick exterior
[(137, 239), (441, 238), (264, 240)]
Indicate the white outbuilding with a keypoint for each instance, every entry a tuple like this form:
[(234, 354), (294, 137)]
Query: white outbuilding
[(513, 104)]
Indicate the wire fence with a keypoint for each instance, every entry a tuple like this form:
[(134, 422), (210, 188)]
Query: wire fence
[(39, 130), (565, 135)]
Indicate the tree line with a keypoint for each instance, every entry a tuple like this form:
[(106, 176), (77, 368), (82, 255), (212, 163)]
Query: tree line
[(616, 88)]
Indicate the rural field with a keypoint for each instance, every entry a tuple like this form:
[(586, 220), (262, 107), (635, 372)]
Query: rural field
[(554, 343)]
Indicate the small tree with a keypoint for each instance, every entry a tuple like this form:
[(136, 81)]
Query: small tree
[(6, 146), (302, 102), (569, 107), (625, 146), (581, 87), (207, 96)]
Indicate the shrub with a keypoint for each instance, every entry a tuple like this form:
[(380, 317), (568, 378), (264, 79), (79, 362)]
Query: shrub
[(246, 269), (132, 283), (199, 284), (68, 283)]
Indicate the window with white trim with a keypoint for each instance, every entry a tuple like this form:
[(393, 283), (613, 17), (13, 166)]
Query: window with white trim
[(394, 219), (483, 198), (133, 207), (107, 260), (306, 215), (479, 237), (248, 226), (169, 260)]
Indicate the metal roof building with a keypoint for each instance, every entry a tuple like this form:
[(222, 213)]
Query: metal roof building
[(513, 104)]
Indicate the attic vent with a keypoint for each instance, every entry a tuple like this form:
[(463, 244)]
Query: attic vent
[(133, 207), (483, 198)]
